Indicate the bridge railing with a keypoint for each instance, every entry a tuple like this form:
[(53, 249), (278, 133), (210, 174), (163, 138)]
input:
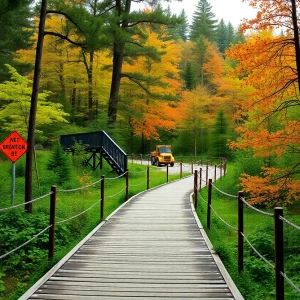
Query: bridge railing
[(279, 221), (114, 151)]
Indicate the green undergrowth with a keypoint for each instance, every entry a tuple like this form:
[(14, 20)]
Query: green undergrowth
[(257, 279), (21, 269)]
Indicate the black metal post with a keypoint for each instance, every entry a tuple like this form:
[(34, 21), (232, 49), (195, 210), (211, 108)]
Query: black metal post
[(180, 170), (240, 232), (102, 198), (127, 184), (209, 194), (167, 173), (52, 222), (147, 178), (200, 178), (279, 256), (196, 189)]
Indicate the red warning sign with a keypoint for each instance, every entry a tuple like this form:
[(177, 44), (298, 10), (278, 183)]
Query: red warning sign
[(14, 146)]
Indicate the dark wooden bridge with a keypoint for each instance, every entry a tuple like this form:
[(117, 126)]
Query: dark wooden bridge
[(152, 247), (100, 145)]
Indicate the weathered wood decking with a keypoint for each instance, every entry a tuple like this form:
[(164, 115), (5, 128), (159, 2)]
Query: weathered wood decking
[(152, 247)]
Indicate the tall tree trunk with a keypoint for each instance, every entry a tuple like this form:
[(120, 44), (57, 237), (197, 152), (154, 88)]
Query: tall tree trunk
[(296, 38), (73, 101), (90, 87), (33, 107), (115, 83), (118, 56)]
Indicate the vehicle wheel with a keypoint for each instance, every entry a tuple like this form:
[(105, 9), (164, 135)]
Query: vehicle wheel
[(172, 164), (157, 163)]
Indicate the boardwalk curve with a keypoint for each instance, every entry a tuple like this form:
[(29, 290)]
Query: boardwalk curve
[(152, 247)]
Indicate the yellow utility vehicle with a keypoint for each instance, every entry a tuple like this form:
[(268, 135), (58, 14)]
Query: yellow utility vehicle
[(162, 156)]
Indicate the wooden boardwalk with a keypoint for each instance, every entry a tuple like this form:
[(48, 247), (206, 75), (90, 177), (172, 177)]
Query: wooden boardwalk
[(152, 247)]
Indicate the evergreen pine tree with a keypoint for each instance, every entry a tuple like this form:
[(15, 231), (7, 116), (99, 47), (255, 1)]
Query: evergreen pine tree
[(239, 37), (203, 22), (220, 135), (14, 24), (230, 35), (202, 56), (189, 76), (183, 28), (221, 36)]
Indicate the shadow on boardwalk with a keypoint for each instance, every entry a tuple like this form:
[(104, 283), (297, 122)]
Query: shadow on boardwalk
[(152, 247)]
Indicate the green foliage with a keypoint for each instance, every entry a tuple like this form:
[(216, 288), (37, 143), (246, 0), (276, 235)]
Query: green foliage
[(15, 25), (15, 96), (60, 163)]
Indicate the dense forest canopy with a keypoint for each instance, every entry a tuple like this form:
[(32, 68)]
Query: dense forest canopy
[(149, 76)]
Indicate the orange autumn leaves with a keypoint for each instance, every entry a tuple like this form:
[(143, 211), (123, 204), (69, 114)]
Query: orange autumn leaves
[(269, 118)]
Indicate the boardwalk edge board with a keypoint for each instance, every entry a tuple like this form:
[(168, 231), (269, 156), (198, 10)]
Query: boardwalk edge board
[(234, 290)]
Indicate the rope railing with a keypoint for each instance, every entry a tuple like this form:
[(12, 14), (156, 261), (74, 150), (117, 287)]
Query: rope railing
[(25, 203), (289, 223), (80, 188), (24, 244), (226, 223), (119, 192), (224, 193), (256, 251), (81, 213), (113, 178), (256, 209), (291, 283)]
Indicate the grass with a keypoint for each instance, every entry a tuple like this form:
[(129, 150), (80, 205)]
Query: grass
[(257, 279), (23, 268)]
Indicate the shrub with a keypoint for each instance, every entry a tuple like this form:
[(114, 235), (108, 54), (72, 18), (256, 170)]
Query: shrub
[(60, 163)]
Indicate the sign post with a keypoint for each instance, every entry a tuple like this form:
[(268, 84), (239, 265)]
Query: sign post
[(14, 146)]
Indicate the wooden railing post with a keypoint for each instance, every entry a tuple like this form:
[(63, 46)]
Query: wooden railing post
[(127, 184), (52, 222), (279, 257), (215, 172), (196, 189), (141, 159), (180, 170), (102, 198), (167, 173), (225, 166), (147, 178), (200, 183), (209, 194), (206, 175), (240, 232)]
